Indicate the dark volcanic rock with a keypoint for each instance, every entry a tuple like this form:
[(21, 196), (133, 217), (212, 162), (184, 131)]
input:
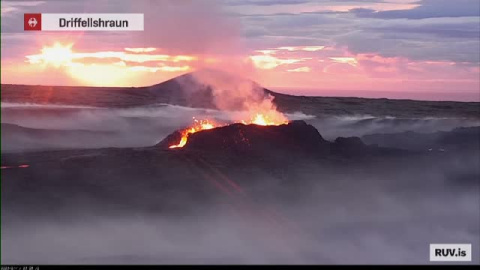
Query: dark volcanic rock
[(350, 142), (294, 136), (350, 146), (171, 139), (457, 139), (18, 138), (282, 142)]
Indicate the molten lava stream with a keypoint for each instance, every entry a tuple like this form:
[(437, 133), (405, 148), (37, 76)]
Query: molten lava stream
[(198, 126)]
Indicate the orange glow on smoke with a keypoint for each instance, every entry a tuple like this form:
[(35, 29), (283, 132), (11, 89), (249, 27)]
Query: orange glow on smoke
[(273, 119)]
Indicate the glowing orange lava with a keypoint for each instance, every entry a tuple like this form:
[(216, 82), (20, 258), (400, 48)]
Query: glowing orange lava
[(269, 119), (198, 126)]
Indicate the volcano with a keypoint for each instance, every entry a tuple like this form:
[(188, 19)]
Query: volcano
[(295, 137), (241, 137)]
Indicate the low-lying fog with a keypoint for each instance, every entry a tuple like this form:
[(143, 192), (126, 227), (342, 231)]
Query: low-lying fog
[(384, 211), (89, 127), (387, 213)]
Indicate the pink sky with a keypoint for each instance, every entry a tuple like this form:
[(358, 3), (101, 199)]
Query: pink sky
[(292, 53)]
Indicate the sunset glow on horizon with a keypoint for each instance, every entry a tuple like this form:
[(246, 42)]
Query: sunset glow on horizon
[(107, 68)]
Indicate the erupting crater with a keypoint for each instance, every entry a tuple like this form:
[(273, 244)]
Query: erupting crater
[(199, 125), (247, 137)]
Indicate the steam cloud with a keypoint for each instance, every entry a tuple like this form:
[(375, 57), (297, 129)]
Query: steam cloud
[(233, 93)]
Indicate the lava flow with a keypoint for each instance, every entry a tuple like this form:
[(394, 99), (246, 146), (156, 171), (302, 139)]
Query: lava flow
[(272, 119), (198, 126)]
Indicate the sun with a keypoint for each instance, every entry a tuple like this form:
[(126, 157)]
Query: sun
[(62, 56), (57, 55)]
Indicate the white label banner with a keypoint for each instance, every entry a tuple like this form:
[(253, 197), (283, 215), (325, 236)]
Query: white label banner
[(92, 22), (450, 252)]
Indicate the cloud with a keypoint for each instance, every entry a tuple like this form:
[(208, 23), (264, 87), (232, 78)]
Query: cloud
[(314, 7), (140, 50), (429, 39), (108, 68), (428, 9), (345, 60), (266, 2), (162, 68), (424, 40), (271, 62), (9, 7), (59, 52), (301, 48), (300, 69)]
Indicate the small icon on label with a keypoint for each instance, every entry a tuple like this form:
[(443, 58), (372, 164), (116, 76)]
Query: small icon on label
[(32, 21)]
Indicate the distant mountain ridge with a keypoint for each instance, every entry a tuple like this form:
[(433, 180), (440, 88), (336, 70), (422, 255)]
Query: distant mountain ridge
[(174, 91)]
